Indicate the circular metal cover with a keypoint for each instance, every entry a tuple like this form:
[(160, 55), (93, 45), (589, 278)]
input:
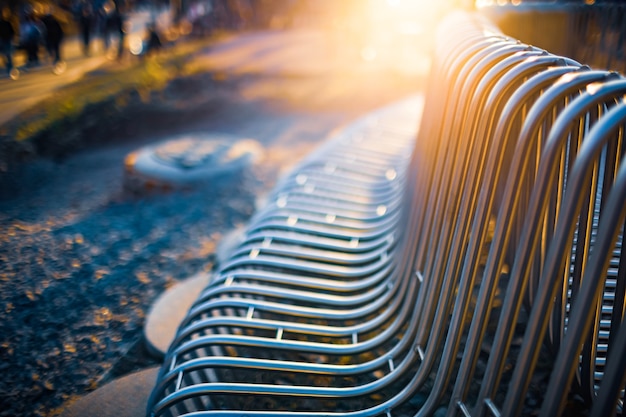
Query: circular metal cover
[(189, 159)]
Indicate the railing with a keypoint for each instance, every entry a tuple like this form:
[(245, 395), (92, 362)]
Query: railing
[(371, 276), (600, 32), (590, 31)]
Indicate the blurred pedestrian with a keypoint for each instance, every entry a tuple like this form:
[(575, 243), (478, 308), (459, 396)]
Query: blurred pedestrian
[(30, 39), (7, 33), (153, 41), (85, 21), (53, 36), (115, 25), (101, 19), (106, 12)]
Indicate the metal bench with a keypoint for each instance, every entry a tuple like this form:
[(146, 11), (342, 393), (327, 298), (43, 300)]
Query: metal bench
[(390, 259)]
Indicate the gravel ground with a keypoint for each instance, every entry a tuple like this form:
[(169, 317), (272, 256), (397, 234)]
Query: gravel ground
[(81, 261)]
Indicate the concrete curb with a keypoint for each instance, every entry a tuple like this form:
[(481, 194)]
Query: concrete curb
[(169, 310), (123, 397)]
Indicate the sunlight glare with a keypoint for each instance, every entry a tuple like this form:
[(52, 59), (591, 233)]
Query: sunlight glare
[(393, 33), (135, 44), (368, 53), (484, 3), (59, 68)]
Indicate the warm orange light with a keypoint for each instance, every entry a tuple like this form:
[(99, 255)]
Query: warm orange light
[(129, 161), (368, 53), (484, 3), (593, 87), (389, 33), (405, 10), (135, 45)]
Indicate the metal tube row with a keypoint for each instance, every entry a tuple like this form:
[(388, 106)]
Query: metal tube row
[(453, 262)]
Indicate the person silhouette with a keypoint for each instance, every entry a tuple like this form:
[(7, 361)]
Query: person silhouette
[(85, 21), (115, 25), (7, 33), (153, 41), (30, 39), (53, 36)]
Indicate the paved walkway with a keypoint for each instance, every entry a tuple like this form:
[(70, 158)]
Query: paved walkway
[(33, 85), (36, 84), (278, 53)]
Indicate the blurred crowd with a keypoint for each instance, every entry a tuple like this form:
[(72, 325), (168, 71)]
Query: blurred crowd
[(36, 32), (205, 16), (105, 19), (30, 32)]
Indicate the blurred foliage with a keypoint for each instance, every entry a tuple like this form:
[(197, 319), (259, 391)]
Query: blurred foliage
[(115, 85)]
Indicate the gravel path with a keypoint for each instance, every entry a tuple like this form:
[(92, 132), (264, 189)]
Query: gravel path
[(81, 262)]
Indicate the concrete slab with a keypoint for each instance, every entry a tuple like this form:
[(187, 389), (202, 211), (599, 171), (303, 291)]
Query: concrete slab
[(172, 306), (123, 397), (189, 160), (228, 243), (169, 310)]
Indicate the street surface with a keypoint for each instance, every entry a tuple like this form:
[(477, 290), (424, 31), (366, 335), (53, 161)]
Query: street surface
[(81, 261)]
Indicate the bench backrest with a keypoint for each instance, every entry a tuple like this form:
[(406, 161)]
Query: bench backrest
[(507, 224)]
